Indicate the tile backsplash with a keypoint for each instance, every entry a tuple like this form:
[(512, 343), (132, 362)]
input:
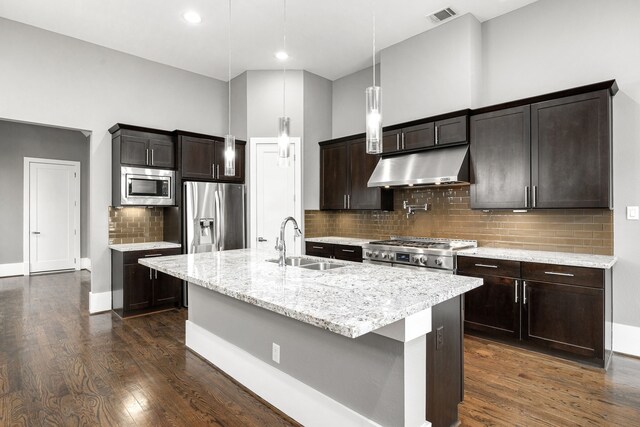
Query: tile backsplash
[(567, 230), (135, 225)]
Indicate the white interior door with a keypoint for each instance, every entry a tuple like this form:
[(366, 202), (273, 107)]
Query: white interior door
[(53, 216), (275, 190)]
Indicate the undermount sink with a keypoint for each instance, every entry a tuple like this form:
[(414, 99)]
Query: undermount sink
[(321, 266), (308, 263)]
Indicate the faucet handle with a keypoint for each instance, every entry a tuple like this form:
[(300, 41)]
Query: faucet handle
[(278, 244)]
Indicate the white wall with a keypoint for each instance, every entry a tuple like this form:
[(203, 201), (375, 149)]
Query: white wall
[(317, 127), (52, 79), (348, 102), (552, 45)]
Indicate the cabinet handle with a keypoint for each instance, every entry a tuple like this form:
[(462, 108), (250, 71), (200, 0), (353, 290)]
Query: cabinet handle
[(344, 201), (348, 201), (524, 292), (402, 138), (397, 141), (217, 171), (553, 273), (526, 196), (436, 135), (535, 195), (486, 266), (151, 156), (146, 151), (213, 170), (156, 274), (515, 286), (317, 247), (150, 255), (348, 250), (150, 271)]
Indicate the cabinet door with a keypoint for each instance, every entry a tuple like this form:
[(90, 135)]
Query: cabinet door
[(493, 308), (391, 141), (564, 317), (334, 176), (500, 159), (361, 166), (571, 151), (418, 136), (162, 153), (166, 289), (451, 131), (197, 158), (133, 150), (219, 161), (324, 250), (137, 287)]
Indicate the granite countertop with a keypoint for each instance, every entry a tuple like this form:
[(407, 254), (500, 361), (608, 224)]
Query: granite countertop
[(351, 301), (350, 241), (128, 247), (558, 258)]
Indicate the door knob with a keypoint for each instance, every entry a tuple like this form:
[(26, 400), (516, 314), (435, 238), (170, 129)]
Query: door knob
[(35, 232), (261, 239)]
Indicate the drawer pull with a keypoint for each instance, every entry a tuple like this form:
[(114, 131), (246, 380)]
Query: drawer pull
[(486, 266), (348, 250), (150, 255), (317, 247), (553, 273), (524, 293), (515, 286)]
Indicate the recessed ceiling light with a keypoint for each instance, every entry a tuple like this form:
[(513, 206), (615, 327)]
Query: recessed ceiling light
[(192, 17), (282, 55)]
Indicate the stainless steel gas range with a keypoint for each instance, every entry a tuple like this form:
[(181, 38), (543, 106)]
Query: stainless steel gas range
[(438, 255)]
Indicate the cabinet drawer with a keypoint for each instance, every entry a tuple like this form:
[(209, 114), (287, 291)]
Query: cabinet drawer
[(319, 249), (488, 267), (348, 253), (132, 257), (581, 276)]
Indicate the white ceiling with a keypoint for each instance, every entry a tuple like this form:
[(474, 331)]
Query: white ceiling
[(331, 38)]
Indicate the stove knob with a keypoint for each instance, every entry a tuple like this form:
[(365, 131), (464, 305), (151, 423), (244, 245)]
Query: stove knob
[(374, 254), (439, 261), (420, 260), (367, 254), (385, 255)]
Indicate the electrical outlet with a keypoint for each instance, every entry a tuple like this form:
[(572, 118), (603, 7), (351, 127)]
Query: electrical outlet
[(633, 213), (275, 353), (439, 337)]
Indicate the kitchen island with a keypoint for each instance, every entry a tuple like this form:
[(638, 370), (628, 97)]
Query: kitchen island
[(344, 346)]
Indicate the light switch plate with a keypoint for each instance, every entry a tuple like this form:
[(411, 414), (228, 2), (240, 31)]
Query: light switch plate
[(633, 213)]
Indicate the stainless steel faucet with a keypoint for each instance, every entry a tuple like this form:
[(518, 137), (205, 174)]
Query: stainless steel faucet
[(281, 247)]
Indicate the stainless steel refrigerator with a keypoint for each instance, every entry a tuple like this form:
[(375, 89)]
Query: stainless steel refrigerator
[(214, 218)]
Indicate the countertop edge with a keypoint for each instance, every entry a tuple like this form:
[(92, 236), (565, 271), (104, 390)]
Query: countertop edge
[(540, 257), (131, 247)]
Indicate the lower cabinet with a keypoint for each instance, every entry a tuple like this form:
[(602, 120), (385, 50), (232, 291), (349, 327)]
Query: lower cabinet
[(330, 250), (137, 289), (561, 310)]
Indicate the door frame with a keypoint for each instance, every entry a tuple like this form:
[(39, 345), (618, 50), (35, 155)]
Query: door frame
[(26, 209), (253, 197)]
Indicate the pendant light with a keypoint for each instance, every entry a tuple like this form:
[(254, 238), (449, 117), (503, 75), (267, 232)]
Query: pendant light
[(284, 150), (229, 140), (372, 104)]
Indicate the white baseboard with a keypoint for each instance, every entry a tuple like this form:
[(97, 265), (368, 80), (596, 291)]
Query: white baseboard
[(626, 339), (296, 399), (85, 264), (15, 269), (99, 302)]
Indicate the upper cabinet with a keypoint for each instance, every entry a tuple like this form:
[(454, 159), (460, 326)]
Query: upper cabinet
[(345, 168), (426, 133), (137, 146), (551, 153), (202, 158)]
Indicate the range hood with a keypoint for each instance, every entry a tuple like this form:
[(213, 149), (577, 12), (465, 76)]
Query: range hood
[(448, 165)]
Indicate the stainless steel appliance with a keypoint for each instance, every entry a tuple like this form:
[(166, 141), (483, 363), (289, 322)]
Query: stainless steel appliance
[(432, 254), (147, 187)]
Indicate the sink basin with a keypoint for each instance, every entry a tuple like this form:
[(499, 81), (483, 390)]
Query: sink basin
[(321, 266), (295, 261)]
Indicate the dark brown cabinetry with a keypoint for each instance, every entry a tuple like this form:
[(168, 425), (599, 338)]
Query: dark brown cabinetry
[(137, 289), (551, 151), (202, 158), (137, 146), (557, 309), (330, 250), (345, 169), (427, 133)]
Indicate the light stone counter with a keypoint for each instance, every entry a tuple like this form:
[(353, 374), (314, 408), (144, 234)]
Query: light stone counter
[(350, 241), (129, 247), (351, 301), (558, 258)]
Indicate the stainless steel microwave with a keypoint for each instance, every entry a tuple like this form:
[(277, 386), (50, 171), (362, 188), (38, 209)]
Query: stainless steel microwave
[(147, 187)]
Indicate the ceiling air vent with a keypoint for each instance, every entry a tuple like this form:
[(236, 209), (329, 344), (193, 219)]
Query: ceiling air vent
[(442, 15)]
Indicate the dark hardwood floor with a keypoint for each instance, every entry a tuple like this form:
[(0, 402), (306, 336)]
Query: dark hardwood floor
[(60, 366)]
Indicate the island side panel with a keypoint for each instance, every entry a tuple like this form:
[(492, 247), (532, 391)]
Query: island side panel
[(365, 374)]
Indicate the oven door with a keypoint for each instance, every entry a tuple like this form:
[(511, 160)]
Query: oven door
[(147, 187)]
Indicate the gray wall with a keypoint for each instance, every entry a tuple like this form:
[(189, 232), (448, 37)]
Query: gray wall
[(552, 45), (348, 102), (20, 140), (52, 79), (317, 127)]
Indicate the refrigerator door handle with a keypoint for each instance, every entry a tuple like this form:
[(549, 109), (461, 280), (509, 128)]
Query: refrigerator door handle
[(218, 224)]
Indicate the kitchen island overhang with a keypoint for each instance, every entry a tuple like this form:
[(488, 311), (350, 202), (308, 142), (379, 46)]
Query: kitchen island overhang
[(352, 340)]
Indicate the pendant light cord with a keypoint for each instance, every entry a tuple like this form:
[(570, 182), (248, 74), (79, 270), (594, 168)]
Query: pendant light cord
[(284, 48), (373, 9), (229, 66)]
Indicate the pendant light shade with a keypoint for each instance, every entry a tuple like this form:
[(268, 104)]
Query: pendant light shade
[(284, 146), (229, 155), (373, 120)]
